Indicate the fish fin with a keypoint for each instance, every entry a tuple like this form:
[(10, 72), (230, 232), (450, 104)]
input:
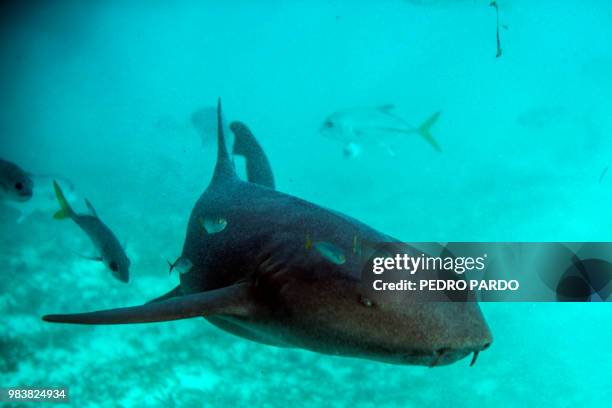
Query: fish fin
[(90, 207), (235, 300), (65, 211), (258, 167), (96, 258), (173, 293), (224, 169), (424, 130), (91, 258)]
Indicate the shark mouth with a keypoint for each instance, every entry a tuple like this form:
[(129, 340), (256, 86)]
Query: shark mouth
[(440, 353)]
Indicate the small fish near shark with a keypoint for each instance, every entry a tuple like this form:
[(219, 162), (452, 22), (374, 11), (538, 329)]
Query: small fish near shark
[(256, 278), (109, 250), (44, 200), (379, 125), (29, 193)]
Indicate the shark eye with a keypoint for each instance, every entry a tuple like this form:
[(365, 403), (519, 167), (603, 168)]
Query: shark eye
[(113, 266), (19, 185), (328, 124)]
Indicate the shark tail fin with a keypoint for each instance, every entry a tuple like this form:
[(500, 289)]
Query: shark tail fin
[(424, 131), (65, 211)]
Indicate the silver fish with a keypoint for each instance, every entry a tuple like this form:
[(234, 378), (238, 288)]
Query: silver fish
[(43, 198), (108, 247), (378, 125)]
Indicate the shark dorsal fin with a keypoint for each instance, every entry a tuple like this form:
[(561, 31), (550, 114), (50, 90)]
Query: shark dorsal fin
[(257, 163), (224, 169)]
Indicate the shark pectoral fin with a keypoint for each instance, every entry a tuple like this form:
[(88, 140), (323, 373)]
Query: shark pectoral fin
[(232, 300)]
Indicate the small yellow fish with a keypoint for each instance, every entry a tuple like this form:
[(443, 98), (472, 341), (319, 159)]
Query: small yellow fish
[(213, 225), (330, 252)]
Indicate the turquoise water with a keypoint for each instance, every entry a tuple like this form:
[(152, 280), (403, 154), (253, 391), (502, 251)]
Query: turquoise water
[(101, 94)]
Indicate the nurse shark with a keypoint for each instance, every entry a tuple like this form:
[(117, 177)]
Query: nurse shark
[(256, 276)]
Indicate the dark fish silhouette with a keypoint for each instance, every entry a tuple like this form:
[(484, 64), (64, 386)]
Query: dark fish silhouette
[(15, 183), (106, 244)]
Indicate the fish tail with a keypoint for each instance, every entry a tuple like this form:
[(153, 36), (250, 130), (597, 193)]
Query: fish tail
[(65, 211), (424, 130)]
